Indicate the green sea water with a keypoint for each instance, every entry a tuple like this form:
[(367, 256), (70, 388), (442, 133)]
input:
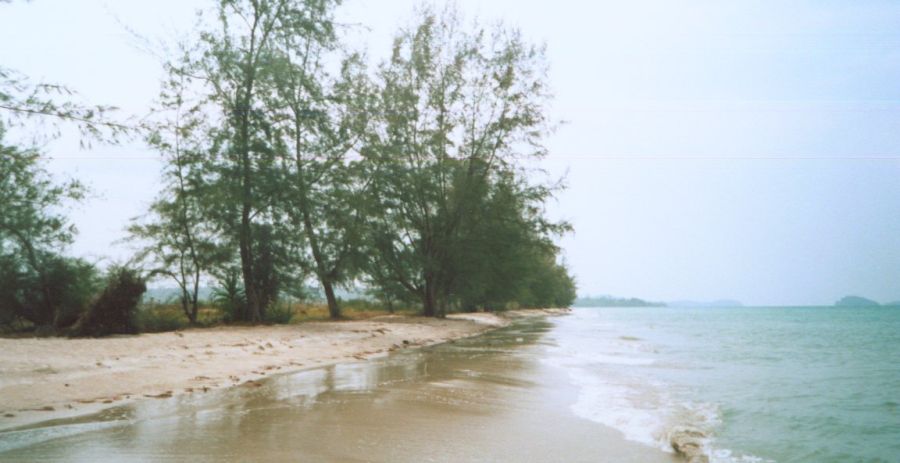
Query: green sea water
[(764, 384)]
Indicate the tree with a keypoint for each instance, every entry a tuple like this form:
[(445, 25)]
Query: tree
[(181, 241), (235, 65), (40, 285), (457, 109), (502, 257), (321, 121), (49, 105), (36, 281)]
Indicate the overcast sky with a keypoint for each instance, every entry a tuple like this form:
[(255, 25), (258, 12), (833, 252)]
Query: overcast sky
[(744, 149)]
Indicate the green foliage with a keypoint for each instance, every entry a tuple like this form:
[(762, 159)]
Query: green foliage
[(505, 254), (290, 166), (36, 283), (229, 295), (455, 222), (45, 106), (231, 69), (325, 192), (179, 241), (71, 284), (280, 313), (114, 311)]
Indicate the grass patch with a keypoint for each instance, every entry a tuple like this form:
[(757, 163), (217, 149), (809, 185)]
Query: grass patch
[(162, 318), (355, 309)]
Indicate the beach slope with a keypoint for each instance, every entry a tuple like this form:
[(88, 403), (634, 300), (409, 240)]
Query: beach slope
[(44, 379)]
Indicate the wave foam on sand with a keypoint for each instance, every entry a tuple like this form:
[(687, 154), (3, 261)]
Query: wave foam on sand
[(617, 388)]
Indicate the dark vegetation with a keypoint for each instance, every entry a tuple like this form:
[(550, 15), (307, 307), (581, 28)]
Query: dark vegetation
[(289, 160), (114, 311)]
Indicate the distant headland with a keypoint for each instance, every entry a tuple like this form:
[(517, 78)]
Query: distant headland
[(858, 301)]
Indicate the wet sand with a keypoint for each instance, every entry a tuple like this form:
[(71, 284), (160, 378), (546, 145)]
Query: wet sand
[(50, 378), (488, 398)]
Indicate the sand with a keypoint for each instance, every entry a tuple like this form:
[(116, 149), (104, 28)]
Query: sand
[(44, 379), (485, 399)]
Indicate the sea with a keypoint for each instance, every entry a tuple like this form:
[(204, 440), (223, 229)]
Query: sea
[(773, 384)]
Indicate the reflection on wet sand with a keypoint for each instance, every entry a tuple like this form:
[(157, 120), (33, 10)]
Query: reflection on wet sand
[(483, 399)]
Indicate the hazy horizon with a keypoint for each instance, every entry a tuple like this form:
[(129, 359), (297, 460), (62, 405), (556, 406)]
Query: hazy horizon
[(745, 150)]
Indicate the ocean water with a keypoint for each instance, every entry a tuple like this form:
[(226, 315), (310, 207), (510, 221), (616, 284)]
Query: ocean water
[(762, 384)]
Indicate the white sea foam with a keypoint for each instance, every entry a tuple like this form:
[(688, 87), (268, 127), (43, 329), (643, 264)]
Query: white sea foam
[(617, 388)]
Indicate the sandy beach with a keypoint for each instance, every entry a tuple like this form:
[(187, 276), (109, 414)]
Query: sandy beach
[(487, 398), (45, 379)]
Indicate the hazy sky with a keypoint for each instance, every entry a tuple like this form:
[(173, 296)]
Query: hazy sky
[(743, 149)]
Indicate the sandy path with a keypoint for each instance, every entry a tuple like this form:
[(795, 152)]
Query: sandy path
[(43, 379)]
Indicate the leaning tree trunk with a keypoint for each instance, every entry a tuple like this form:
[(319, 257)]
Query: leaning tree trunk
[(334, 309), (325, 277)]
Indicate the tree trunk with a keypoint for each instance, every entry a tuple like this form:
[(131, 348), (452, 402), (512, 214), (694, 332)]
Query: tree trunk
[(334, 310), (186, 307), (442, 307), (252, 311), (429, 298), (195, 305), (325, 278)]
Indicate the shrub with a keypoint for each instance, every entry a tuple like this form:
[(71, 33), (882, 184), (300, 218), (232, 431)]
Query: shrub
[(72, 285), (114, 312), (229, 296), (56, 294), (280, 313)]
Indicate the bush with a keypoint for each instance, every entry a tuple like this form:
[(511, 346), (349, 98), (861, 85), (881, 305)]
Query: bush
[(280, 313), (56, 295), (73, 283), (114, 312), (229, 296)]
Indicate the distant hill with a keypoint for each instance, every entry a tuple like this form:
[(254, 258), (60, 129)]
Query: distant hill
[(724, 303), (609, 301), (856, 301)]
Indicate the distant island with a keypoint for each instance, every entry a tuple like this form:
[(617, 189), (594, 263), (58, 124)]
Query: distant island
[(610, 301), (857, 301)]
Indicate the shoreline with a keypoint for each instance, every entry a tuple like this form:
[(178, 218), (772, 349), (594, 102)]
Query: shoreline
[(48, 379)]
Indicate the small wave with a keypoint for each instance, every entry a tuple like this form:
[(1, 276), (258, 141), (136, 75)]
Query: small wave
[(616, 390)]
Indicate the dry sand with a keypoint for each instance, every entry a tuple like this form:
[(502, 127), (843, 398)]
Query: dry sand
[(44, 379)]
